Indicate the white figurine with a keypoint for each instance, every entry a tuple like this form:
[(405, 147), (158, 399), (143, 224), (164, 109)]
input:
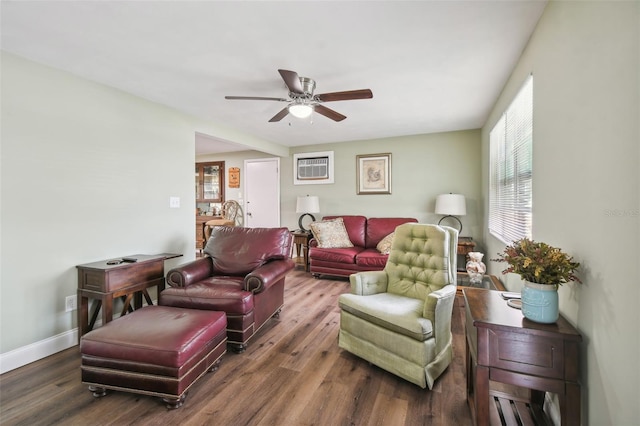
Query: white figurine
[(475, 267)]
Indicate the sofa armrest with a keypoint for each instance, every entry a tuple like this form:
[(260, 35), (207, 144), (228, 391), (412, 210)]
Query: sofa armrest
[(267, 275), (369, 282), (438, 307), (190, 273)]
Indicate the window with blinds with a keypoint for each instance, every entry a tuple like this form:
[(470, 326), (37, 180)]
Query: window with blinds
[(510, 169)]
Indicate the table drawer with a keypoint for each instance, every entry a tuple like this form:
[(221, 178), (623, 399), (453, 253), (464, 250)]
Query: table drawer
[(106, 281), (525, 353)]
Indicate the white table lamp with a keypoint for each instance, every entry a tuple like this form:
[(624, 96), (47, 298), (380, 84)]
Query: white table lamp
[(451, 205), (307, 205)]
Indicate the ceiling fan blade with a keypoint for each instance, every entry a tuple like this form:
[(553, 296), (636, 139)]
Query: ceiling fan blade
[(256, 98), (329, 113), (345, 96), (292, 81), (279, 116)]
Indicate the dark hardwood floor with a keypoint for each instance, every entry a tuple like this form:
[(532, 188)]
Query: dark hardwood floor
[(293, 373)]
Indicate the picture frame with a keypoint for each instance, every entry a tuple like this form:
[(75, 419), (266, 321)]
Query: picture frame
[(313, 168), (373, 174)]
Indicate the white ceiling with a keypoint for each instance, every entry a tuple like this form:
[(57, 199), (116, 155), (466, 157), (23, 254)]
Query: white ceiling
[(432, 65)]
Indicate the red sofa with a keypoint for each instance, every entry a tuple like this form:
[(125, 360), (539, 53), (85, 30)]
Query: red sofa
[(365, 234)]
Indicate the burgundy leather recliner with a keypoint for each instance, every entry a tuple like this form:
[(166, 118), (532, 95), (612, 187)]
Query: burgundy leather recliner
[(242, 274)]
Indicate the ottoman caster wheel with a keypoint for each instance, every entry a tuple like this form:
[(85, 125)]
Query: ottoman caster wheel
[(214, 367), (173, 403), (97, 391), (238, 347)]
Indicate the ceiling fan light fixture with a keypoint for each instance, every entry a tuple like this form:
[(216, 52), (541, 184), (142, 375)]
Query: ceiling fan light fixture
[(300, 110)]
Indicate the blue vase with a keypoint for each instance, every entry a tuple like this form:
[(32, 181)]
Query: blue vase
[(540, 302)]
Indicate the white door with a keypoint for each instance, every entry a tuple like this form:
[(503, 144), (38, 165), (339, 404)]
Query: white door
[(262, 193)]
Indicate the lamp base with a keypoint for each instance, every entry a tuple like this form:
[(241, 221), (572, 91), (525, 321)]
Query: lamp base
[(458, 220), (313, 219)]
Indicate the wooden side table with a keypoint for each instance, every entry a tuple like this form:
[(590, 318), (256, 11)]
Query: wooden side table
[(465, 246), (503, 346), (106, 280), (301, 244)]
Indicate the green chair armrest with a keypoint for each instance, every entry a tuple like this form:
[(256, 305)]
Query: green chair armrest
[(438, 308)]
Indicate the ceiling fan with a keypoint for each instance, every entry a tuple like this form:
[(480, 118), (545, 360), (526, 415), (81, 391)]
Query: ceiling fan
[(302, 101)]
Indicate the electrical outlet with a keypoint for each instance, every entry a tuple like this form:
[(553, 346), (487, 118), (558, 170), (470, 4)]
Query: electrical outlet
[(70, 303)]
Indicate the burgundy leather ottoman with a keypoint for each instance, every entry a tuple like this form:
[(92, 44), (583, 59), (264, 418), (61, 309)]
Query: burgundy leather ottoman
[(157, 350)]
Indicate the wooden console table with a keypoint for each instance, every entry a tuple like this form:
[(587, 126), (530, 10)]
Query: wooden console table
[(106, 280), (503, 346)]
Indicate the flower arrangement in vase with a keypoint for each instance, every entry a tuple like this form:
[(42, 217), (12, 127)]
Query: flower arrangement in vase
[(543, 268)]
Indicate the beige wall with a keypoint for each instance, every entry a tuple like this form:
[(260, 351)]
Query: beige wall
[(87, 173), (584, 59), (423, 166)]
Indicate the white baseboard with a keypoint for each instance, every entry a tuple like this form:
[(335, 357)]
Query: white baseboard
[(38, 350), (35, 351)]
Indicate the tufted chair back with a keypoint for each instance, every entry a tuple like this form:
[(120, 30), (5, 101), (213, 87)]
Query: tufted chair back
[(420, 260)]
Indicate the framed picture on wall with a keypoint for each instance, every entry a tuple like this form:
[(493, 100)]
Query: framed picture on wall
[(373, 174), (313, 168)]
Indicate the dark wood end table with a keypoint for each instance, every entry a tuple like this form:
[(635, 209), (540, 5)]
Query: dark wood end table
[(301, 244), (465, 246), (503, 346), (106, 280)]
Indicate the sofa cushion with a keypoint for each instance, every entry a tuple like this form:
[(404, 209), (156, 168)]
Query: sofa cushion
[(331, 233), (356, 228), (339, 269), (238, 251), (371, 258), (340, 255), (218, 293), (384, 246), (380, 227), (390, 311)]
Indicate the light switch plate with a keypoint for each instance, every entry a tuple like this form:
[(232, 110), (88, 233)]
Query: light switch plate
[(174, 202)]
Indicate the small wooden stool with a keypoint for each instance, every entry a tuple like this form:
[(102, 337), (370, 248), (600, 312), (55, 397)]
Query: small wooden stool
[(157, 350)]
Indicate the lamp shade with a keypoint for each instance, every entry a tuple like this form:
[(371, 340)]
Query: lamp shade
[(300, 110), (308, 204), (451, 204)]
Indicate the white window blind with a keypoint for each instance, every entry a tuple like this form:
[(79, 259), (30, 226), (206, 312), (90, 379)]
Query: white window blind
[(510, 169)]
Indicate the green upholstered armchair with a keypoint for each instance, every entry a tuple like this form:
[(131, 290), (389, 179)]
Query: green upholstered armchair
[(400, 318)]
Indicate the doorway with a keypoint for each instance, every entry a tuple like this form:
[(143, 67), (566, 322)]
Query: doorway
[(262, 193)]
